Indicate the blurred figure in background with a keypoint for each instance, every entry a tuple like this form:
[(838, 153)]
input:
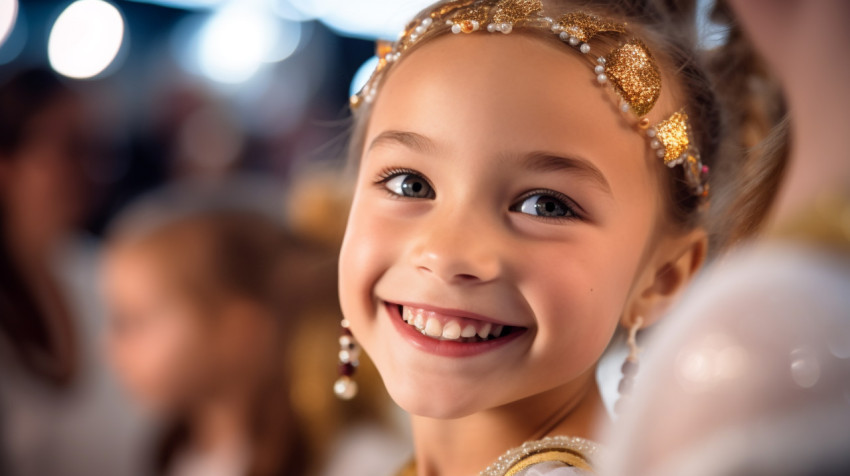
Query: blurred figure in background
[(753, 376), (202, 305), (53, 387), (220, 319), (42, 200)]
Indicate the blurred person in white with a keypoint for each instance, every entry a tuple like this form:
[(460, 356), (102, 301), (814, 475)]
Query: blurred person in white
[(752, 377), (60, 411)]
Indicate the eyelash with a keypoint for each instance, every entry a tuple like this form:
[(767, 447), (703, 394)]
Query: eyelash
[(392, 172), (572, 206), (389, 173)]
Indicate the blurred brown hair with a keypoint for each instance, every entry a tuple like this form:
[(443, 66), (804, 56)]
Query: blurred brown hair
[(755, 130), (223, 254), (25, 321)]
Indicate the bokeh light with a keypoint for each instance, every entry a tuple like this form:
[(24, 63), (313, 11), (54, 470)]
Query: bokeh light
[(16, 38), (8, 14), (363, 74), (187, 4), (367, 18), (237, 39), (85, 39)]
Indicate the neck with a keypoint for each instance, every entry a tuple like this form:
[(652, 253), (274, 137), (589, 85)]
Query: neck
[(469, 444), (819, 103)]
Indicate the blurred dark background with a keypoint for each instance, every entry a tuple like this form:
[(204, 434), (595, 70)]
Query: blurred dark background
[(198, 89)]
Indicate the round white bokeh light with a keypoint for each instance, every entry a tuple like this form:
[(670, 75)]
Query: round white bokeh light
[(236, 40), (8, 15), (85, 39)]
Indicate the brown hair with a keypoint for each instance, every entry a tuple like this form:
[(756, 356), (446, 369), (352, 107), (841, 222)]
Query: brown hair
[(220, 254), (756, 135), (24, 318), (670, 29)]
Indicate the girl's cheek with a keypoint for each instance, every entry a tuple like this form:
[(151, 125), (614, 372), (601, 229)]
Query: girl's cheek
[(577, 302), (366, 253)]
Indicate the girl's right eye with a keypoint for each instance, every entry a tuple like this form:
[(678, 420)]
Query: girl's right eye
[(409, 185)]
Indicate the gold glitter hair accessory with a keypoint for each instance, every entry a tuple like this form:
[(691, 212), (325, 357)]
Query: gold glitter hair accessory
[(629, 67), (634, 75)]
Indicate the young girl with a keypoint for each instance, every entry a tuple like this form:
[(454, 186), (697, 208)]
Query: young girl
[(201, 307), (530, 180)]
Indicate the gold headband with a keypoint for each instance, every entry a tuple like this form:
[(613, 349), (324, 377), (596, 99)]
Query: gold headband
[(628, 68)]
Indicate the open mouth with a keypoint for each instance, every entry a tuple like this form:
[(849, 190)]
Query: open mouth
[(444, 327)]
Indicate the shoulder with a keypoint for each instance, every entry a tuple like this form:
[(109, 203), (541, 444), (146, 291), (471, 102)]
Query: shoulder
[(781, 281)]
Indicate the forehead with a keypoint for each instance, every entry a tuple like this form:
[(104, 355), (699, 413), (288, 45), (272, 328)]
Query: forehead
[(491, 78), (496, 93)]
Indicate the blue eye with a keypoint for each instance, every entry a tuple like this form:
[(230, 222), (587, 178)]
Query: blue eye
[(544, 205), (409, 185)]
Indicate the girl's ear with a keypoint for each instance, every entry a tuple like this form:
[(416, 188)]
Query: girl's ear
[(674, 264)]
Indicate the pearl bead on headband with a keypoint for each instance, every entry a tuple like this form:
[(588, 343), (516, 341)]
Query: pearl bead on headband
[(629, 68)]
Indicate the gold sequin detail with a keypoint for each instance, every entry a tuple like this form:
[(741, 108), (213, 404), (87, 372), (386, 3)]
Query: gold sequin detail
[(584, 26), (514, 11), (635, 76), (673, 133), (404, 40), (476, 13), (382, 49), (693, 166), (443, 10)]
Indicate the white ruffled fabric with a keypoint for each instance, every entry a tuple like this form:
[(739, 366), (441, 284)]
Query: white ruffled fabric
[(552, 468), (750, 374)]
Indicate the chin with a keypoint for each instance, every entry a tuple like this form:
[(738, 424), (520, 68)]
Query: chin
[(443, 399)]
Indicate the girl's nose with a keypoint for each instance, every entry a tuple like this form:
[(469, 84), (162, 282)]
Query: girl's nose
[(456, 249)]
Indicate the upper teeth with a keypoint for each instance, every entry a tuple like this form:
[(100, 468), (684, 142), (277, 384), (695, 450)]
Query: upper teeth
[(453, 329), (484, 331), (418, 321)]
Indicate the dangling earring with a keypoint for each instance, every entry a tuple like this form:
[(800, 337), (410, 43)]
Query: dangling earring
[(630, 366), (345, 387)]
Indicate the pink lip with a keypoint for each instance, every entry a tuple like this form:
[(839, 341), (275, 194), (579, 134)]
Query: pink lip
[(443, 347)]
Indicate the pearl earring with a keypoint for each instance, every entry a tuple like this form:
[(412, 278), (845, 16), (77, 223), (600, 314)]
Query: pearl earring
[(345, 387), (630, 366)]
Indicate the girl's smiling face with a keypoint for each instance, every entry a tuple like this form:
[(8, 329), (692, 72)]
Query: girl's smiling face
[(498, 190)]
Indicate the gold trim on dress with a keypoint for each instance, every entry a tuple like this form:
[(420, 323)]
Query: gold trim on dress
[(568, 457), (570, 450)]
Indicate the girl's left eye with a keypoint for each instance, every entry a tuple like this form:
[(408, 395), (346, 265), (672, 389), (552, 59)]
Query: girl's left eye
[(545, 205), (409, 185)]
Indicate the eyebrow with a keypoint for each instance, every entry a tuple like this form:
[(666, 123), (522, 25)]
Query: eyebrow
[(536, 161), (411, 140), (548, 162)]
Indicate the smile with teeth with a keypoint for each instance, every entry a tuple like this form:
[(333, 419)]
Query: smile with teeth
[(457, 329)]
